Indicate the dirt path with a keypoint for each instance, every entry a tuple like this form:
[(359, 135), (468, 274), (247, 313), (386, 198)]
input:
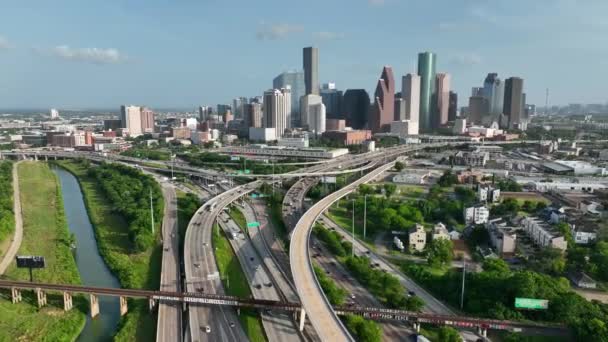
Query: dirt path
[(18, 236)]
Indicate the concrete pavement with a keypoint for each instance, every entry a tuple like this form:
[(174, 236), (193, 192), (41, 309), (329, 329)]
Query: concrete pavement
[(18, 235)]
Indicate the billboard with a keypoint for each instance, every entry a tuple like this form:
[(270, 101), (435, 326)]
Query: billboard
[(28, 261), (531, 303)]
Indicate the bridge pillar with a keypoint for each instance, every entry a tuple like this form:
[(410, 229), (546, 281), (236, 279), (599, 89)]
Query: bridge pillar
[(55, 157), (302, 319), (67, 301), (123, 305), (46, 158), (41, 296), (151, 304), (36, 157), (94, 302), (417, 327), (483, 332), (15, 295)]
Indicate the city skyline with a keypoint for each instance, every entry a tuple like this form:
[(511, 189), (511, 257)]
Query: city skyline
[(471, 39)]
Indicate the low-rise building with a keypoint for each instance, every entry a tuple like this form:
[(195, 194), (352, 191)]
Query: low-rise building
[(348, 137), (262, 134), (488, 194), (502, 237), (440, 232), (582, 280), (285, 152), (542, 234), (476, 159), (412, 177), (181, 132), (417, 238), (477, 214), (297, 142)]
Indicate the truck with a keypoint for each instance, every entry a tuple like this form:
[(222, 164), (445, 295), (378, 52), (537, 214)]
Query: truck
[(211, 206)]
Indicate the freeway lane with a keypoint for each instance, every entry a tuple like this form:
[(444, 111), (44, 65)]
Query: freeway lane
[(169, 325)]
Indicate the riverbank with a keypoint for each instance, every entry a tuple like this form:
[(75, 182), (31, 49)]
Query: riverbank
[(134, 270), (45, 233)]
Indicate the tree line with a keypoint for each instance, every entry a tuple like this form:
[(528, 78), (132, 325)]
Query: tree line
[(7, 216)]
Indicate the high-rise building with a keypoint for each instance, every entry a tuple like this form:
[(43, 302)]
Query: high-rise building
[(295, 80), (237, 106), (311, 70), (443, 100), (130, 117), (54, 113), (332, 99), (356, 108), (253, 115), (147, 120), (426, 71), (453, 107), (399, 109), (383, 112), (204, 112), (477, 91), (410, 92), (222, 109), (478, 107), (514, 101), (494, 91), (277, 109), (306, 104), (316, 118)]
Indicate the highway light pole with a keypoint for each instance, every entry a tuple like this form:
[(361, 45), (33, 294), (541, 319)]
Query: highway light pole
[(151, 212), (352, 248), (364, 216), (464, 266)]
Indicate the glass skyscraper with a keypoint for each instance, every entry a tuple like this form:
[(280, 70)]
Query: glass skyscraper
[(426, 71), (295, 79)]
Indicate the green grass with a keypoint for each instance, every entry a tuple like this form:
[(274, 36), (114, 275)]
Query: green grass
[(133, 270), (237, 215), (46, 233), (343, 218), (231, 272), (7, 216)]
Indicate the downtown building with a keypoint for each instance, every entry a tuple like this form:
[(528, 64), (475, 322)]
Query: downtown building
[(410, 93), (426, 71), (277, 110), (514, 104), (332, 99), (356, 108), (295, 80), (442, 94), (383, 112), (136, 120), (311, 70)]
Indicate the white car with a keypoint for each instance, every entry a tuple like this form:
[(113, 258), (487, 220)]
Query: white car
[(207, 329)]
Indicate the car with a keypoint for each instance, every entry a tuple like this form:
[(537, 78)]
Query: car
[(232, 324), (197, 265), (251, 258), (268, 284), (332, 263), (207, 329), (352, 296), (411, 293), (200, 289), (166, 249), (205, 244), (257, 286), (368, 252)]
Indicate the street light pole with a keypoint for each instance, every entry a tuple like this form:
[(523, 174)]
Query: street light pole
[(364, 217), (352, 249), (151, 212), (464, 266)]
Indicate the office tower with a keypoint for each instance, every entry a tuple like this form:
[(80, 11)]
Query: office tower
[(130, 117), (453, 107), (410, 92), (443, 99), (257, 99), (54, 113), (478, 107), (513, 101), (356, 108), (222, 109), (295, 80), (399, 109), (383, 112), (332, 99), (204, 112), (477, 91), (426, 71), (147, 120), (493, 91), (237, 106), (530, 110), (277, 106), (316, 118), (253, 115), (306, 103), (311, 70)]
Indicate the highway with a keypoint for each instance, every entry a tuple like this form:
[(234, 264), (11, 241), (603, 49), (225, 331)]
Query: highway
[(277, 326), (319, 311), (169, 325), (202, 273)]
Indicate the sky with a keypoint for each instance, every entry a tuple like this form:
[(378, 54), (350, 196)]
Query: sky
[(75, 54)]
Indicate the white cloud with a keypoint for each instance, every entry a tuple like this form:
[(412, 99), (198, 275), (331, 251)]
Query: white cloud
[(276, 32), (4, 44), (327, 35), (87, 55), (466, 59)]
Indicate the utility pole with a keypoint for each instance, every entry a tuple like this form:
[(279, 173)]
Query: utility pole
[(364, 217), (352, 249), (151, 212), (172, 164), (464, 266)]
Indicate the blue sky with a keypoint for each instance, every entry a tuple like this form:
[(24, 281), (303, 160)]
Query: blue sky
[(183, 53)]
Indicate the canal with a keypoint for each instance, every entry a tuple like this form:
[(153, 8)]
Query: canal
[(93, 270)]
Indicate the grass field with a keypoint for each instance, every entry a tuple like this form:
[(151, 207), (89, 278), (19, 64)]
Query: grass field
[(231, 272), (237, 215), (343, 218), (133, 270), (521, 197), (45, 232)]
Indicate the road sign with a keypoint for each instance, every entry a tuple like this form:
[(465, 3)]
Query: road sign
[(253, 224), (530, 303), (233, 158), (28, 261), (255, 195), (247, 171)]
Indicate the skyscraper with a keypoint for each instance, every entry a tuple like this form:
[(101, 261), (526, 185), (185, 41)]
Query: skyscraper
[(332, 99), (316, 118), (147, 120), (399, 109), (478, 107), (426, 71), (277, 106), (453, 107), (383, 112), (493, 91), (311, 70), (222, 109), (443, 100), (514, 102), (294, 79), (204, 112), (306, 104), (253, 115), (237, 106), (410, 92), (130, 118), (356, 108)]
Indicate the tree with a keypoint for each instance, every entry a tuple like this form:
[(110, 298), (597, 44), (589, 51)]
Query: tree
[(399, 166), (365, 189), (498, 266), (447, 179), (364, 330), (440, 252), (448, 334), (389, 189)]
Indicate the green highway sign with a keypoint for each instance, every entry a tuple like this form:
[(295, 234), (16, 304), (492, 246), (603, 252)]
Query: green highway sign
[(254, 196), (530, 303), (247, 172), (253, 224)]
